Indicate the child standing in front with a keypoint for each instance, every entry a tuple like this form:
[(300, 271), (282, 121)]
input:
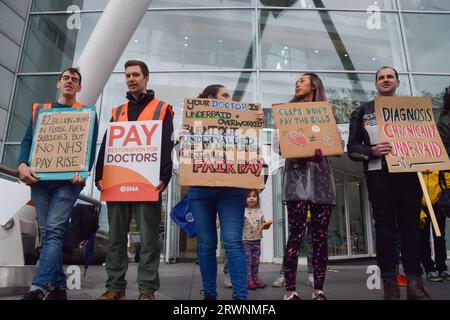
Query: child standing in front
[(254, 223)]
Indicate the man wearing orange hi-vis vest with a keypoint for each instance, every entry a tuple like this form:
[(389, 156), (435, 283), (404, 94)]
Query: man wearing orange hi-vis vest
[(52, 199), (141, 106)]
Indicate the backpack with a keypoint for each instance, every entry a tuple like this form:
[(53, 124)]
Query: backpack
[(83, 225), (182, 216)]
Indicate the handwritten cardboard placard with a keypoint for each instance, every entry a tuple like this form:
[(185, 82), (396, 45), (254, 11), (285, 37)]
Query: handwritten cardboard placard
[(304, 127), (223, 145), (62, 143), (408, 124), (132, 161)]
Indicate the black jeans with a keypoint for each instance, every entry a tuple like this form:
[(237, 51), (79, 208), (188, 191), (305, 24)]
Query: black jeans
[(440, 251), (396, 197)]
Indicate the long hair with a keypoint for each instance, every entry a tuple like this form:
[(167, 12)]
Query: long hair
[(319, 91), (447, 99), (210, 91)]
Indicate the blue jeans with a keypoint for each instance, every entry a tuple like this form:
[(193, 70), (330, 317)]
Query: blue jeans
[(229, 203), (53, 201)]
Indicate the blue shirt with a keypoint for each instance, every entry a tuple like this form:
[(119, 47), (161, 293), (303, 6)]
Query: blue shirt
[(27, 141)]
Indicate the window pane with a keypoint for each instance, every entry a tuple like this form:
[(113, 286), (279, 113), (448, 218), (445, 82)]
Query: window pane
[(433, 86), (337, 231), (354, 192), (175, 87), (11, 155), (341, 4), (204, 39), (428, 41), (62, 5), (431, 5), (200, 3), (344, 91), (329, 40), (50, 46), (29, 89), (6, 83)]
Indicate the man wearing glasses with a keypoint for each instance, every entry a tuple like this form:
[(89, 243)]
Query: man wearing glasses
[(52, 199)]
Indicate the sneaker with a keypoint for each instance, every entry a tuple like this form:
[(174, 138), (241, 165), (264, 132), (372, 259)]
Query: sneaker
[(260, 284), (293, 296), (319, 295), (433, 276), (444, 275), (57, 294), (310, 280), (401, 279), (279, 282), (112, 295), (226, 281), (251, 285), (146, 296), (34, 295)]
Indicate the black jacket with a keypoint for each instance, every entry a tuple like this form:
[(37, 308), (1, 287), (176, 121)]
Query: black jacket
[(363, 128), (135, 108)]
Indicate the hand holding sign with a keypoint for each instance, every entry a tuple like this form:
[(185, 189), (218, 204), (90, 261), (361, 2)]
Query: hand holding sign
[(381, 149), (26, 175)]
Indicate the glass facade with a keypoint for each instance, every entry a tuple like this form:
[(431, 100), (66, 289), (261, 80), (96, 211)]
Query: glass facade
[(257, 49)]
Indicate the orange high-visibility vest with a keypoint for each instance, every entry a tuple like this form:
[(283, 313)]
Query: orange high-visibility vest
[(38, 106), (155, 110)]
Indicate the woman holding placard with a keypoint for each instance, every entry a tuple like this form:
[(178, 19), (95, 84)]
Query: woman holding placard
[(308, 184), (229, 204)]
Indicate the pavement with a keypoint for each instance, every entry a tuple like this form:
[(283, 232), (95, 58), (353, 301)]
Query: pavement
[(182, 281)]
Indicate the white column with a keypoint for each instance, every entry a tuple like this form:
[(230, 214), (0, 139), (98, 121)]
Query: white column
[(106, 44)]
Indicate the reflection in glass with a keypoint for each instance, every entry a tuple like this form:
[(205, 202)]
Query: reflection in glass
[(429, 5), (29, 89), (432, 86), (329, 40), (200, 3), (428, 41), (337, 232), (50, 46), (189, 39), (340, 4), (63, 5), (11, 155), (354, 192), (344, 91)]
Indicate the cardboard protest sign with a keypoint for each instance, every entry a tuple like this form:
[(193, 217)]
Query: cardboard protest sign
[(304, 127), (132, 161), (223, 144), (62, 143), (408, 124)]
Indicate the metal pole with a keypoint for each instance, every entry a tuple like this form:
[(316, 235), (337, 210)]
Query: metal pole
[(107, 43)]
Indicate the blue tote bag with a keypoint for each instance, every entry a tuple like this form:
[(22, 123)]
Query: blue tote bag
[(183, 217)]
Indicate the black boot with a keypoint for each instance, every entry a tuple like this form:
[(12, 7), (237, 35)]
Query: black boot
[(391, 289), (415, 290)]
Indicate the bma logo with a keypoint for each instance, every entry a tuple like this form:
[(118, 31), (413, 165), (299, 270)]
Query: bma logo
[(189, 217), (129, 189)]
